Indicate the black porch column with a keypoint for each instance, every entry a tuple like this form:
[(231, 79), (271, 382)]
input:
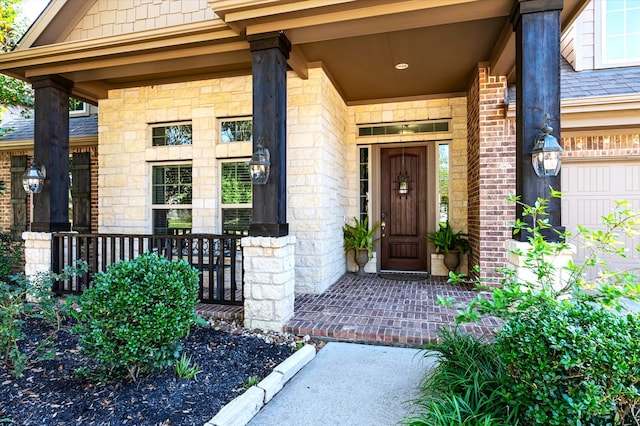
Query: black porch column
[(270, 53), (51, 149), (537, 27)]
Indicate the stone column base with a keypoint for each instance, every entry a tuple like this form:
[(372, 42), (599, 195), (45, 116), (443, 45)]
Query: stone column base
[(525, 274), (269, 281), (37, 252)]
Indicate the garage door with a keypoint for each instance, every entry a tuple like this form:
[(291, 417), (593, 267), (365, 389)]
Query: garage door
[(588, 193)]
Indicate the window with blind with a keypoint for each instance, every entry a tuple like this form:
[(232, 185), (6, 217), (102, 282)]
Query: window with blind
[(172, 135), (237, 130), (236, 198), (171, 197)]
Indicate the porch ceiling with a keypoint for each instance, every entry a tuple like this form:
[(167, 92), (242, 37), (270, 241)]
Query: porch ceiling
[(357, 42)]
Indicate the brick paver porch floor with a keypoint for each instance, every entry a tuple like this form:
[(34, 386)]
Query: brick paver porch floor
[(371, 309)]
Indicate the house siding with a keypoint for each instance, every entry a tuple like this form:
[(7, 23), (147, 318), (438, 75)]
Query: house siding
[(112, 17), (578, 42), (491, 155)]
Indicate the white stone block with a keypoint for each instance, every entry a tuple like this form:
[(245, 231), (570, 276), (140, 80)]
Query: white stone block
[(241, 410), (262, 310), (271, 385), (289, 367)]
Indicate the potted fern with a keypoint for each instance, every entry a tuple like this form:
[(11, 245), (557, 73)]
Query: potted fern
[(359, 239), (450, 244)]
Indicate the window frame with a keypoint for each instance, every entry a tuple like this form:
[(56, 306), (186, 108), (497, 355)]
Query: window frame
[(167, 207), (223, 120), (600, 32), (169, 124), (223, 206), (78, 112)]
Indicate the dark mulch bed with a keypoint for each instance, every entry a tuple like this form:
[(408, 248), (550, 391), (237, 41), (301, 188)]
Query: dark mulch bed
[(50, 393)]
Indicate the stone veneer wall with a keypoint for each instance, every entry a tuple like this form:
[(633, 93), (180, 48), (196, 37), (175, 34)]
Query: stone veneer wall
[(315, 161), (126, 156), (111, 17), (491, 153), (316, 180), (427, 109)]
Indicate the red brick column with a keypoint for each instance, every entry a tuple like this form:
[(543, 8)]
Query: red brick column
[(491, 175)]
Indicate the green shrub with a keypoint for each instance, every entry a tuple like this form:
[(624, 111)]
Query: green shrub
[(22, 298), (465, 386), (10, 255), (131, 320), (572, 354), (573, 364)]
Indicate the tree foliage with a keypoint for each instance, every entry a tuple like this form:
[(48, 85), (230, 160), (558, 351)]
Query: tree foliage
[(13, 92)]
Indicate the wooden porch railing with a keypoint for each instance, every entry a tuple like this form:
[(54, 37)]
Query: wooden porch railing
[(217, 257)]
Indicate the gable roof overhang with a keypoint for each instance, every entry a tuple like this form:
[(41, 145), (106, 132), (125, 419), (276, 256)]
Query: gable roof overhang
[(358, 43)]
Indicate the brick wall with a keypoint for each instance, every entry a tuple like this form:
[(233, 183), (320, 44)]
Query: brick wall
[(616, 144), (106, 18), (5, 176), (491, 174)]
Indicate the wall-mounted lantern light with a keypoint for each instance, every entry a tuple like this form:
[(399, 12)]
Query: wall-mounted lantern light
[(546, 152), (260, 164), (33, 178)]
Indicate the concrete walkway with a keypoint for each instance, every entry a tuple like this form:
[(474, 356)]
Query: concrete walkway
[(349, 384)]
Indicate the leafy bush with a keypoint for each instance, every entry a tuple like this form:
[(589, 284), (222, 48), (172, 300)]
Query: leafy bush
[(132, 318), (21, 298), (10, 255), (571, 354), (465, 387), (573, 364)]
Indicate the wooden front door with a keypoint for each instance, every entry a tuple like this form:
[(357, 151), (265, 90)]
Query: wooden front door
[(403, 209)]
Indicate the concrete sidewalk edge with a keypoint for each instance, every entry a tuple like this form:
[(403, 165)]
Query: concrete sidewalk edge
[(244, 407)]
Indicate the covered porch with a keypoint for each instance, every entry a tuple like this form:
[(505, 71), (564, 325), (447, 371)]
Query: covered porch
[(312, 77)]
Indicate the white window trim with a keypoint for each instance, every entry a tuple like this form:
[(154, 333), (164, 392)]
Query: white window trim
[(80, 112), (599, 41)]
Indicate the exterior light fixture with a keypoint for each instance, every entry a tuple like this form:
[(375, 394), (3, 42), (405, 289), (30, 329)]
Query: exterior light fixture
[(546, 152), (33, 178), (402, 66), (260, 164)]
